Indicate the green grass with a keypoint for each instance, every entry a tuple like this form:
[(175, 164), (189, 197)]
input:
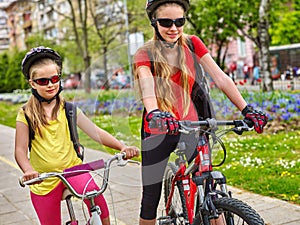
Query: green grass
[(266, 164), (8, 112)]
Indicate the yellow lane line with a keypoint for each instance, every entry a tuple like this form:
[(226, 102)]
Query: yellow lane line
[(10, 163)]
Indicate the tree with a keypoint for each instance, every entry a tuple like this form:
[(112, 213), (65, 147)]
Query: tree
[(108, 21), (213, 22), (14, 79), (254, 23), (88, 19), (35, 40), (79, 17), (285, 29), (4, 65), (218, 21), (138, 19), (264, 44)]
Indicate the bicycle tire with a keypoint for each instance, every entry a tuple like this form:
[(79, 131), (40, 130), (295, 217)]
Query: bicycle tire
[(242, 213), (178, 211)]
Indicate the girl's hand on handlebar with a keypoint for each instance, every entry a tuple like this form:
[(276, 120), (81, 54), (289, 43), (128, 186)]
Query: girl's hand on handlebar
[(162, 122), (131, 151), (257, 118), (29, 175)]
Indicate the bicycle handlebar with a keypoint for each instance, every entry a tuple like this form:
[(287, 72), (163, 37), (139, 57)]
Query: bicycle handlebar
[(80, 169), (239, 126)]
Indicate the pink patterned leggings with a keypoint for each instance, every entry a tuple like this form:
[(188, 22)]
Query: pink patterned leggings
[(48, 207)]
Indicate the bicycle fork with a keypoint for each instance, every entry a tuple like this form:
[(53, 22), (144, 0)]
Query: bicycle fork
[(206, 186), (95, 214)]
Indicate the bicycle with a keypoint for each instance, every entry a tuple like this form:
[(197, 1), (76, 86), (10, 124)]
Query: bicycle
[(194, 193), (69, 192)]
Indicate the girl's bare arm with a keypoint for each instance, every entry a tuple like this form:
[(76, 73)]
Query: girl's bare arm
[(223, 81), (147, 86), (21, 151), (103, 137)]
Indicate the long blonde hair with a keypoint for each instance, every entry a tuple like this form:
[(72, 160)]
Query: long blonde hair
[(163, 72), (33, 108)]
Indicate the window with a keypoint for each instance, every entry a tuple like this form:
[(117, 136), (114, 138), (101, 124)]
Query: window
[(241, 48)]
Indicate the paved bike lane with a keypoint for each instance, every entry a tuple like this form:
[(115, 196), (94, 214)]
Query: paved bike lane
[(124, 192)]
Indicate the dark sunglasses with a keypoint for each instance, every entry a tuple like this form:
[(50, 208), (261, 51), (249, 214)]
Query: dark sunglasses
[(166, 22), (45, 81)]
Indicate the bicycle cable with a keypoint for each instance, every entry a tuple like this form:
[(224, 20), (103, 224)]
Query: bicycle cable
[(216, 137)]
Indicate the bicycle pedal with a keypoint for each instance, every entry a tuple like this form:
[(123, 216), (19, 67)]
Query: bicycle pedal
[(165, 220)]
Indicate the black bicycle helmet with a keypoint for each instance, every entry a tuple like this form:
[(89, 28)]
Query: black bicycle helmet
[(152, 5), (39, 53)]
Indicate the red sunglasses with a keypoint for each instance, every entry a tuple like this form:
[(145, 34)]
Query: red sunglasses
[(45, 81)]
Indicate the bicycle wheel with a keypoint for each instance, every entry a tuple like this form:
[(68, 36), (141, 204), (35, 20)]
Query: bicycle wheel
[(177, 212), (234, 212)]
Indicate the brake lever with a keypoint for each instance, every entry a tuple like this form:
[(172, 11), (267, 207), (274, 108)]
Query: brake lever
[(121, 161), (187, 129), (133, 162), (241, 126)]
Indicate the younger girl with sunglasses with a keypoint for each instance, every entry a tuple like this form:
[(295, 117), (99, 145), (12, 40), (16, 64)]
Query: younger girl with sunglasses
[(165, 74), (52, 148)]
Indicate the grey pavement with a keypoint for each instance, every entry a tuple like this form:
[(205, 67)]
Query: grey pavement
[(123, 195)]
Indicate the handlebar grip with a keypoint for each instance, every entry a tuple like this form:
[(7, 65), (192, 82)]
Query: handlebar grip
[(29, 182), (40, 178), (21, 182)]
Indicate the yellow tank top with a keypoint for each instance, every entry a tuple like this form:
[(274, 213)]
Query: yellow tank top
[(53, 152)]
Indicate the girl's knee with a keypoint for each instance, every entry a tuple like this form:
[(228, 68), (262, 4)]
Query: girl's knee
[(101, 202)]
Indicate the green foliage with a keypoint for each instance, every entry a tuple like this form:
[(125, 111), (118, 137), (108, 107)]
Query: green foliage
[(11, 77), (8, 113), (14, 76), (284, 22), (4, 59), (297, 5), (36, 40), (138, 19), (286, 31), (216, 22)]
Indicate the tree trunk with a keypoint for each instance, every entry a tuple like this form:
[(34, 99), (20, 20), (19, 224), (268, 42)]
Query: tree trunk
[(87, 69), (107, 77), (264, 54)]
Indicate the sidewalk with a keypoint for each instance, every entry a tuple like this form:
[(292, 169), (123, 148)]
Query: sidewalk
[(16, 208)]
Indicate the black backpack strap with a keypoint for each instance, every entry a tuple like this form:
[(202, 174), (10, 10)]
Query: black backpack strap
[(31, 131), (71, 114), (200, 90)]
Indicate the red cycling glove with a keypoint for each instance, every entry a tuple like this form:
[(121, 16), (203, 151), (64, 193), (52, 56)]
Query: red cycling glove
[(258, 118), (162, 122)]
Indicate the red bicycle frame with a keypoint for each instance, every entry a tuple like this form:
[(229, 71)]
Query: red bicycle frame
[(203, 162)]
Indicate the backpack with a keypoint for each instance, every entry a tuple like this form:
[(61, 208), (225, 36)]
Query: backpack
[(200, 90), (71, 114)]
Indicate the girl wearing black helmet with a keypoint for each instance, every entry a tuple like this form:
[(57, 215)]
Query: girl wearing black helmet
[(165, 73), (51, 147)]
